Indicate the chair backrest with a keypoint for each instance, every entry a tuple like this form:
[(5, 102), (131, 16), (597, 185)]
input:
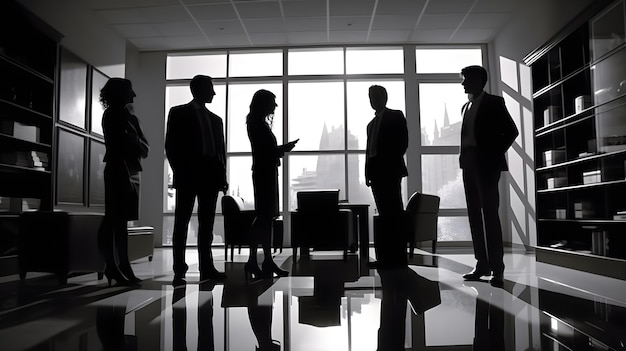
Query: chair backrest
[(318, 200), (423, 213), (232, 204), (423, 203)]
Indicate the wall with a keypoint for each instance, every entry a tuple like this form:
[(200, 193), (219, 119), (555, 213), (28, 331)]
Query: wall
[(147, 71), (537, 23), (83, 33)]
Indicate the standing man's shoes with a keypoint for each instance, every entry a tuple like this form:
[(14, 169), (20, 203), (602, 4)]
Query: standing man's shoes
[(476, 274), (497, 280)]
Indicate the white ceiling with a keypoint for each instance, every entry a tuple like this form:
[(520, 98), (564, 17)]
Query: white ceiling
[(201, 24)]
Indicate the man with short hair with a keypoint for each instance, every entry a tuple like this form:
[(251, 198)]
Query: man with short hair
[(387, 141), (487, 133), (194, 145)]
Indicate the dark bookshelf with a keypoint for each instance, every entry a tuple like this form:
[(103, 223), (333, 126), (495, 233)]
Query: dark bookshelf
[(579, 101), (28, 66)]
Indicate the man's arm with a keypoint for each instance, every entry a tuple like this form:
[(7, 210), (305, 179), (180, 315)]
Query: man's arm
[(171, 136), (508, 130)]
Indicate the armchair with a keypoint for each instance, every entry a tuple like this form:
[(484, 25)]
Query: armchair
[(237, 223), (422, 212), (320, 224)]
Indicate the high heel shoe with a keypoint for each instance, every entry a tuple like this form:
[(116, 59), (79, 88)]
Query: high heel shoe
[(127, 271), (252, 270), (269, 268), (113, 274)]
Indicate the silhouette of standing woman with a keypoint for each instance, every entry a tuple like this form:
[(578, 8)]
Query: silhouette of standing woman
[(266, 156), (125, 147)]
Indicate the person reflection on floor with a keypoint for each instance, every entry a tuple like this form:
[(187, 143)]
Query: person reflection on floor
[(261, 319), (399, 286), (489, 322), (110, 326), (206, 338)]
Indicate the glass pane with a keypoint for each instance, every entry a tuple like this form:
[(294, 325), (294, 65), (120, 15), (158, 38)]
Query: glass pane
[(98, 82), (360, 112), (607, 30), (442, 176), (453, 229), (440, 113), (315, 61), (609, 77), (316, 172), (180, 94), (374, 60), (317, 128), (187, 66), (240, 180), (255, 64), (239, 98), (446, 60)]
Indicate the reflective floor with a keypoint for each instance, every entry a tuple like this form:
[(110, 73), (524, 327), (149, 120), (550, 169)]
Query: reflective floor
[(326, 304)]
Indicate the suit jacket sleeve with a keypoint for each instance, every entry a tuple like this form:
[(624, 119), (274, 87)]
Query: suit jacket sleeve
[(402, 135), (172, 144), (507, 130)]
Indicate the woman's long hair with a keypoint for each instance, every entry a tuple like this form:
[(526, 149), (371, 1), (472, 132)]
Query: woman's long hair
[(114, 92), (261, 107)]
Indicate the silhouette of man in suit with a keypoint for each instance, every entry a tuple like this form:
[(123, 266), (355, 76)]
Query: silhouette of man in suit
[(486, 134), (387, 141), (194, 144)]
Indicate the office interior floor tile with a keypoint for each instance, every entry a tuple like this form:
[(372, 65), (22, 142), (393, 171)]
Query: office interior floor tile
[(326, 303)]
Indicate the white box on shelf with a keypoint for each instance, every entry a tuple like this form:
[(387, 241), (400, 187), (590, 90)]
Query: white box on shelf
[(582, 102), (26, 132), (551, 114), (561, 213), (556, 182), (552, 157), (591, 177)]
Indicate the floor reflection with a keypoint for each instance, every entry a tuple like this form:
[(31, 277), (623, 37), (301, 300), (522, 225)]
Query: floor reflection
[(327, 303)]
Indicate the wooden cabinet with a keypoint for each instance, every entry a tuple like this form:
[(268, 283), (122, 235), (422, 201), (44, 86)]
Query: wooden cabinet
[(28, 61), (579, 102)]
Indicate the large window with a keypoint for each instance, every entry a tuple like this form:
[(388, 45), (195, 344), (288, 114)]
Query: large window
[(322, 97)]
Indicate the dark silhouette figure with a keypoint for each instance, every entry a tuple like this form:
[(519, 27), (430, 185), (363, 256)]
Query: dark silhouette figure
[(242, 292), (387, 141), (194, 144), (266, 154), (261, 321), (486, 134), (125, 147), (489, 321), (400, 285), (206, 335)]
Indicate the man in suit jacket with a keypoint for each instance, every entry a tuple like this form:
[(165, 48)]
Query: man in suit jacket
[(486, 134), (387, 141), (194, 144)]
